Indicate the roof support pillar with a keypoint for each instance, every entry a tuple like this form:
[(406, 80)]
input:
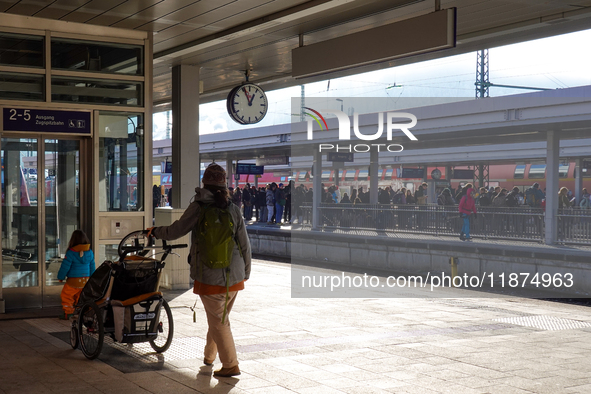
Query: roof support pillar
[(230, 172), (185, 134), (317, 189), (552, 162), (578, 180), (373, 176)]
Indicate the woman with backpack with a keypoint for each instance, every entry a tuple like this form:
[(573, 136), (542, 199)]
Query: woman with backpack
[(225, 241)]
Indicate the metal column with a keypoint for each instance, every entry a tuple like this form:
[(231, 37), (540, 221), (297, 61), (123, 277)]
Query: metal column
[(578, 180), (373, 176), (230, 172), (317, 190), (185, 134), (552, 162)]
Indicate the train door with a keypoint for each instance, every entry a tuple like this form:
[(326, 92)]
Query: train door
[(41, 206)]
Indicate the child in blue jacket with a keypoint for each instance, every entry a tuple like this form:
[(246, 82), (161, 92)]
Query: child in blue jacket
[(77, 266)]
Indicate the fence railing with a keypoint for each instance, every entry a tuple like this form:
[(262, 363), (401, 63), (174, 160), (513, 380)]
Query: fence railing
[(574, 226), (522, 223)]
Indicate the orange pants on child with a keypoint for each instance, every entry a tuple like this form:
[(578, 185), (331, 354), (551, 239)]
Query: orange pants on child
[(71, 293)]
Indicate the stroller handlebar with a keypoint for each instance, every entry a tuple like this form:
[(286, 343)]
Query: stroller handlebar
[(131, 244), (168, 248)]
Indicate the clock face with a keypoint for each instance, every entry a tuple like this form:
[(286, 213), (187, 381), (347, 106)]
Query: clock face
[(436, 174), (247, 104)]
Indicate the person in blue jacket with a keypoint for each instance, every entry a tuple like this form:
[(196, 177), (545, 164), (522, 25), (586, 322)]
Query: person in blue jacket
[(77, 266)]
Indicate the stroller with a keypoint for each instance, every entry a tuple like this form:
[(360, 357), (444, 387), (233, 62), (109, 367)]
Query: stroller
[(122, 299)]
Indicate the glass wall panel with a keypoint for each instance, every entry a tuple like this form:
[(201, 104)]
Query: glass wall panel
[(21, 50), (62, 201), (16, 86), (19, 213), (106, 252), (121, 162), (96, 91), (96, 57)]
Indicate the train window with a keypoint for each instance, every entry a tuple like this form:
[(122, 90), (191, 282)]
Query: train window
[(302, 177), (350, 174), (519, 171), (362, 175), (388, 175), (537, 171), (325, 175), (563, 170)]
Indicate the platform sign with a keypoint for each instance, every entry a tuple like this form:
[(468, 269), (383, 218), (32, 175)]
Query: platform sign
[(412, 173), (340, 157), (46, 121), (463, 174), (272, 161), (242, 168)]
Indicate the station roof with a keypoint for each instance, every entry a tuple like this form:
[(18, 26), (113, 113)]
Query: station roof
[(227, 37), (464, 125)]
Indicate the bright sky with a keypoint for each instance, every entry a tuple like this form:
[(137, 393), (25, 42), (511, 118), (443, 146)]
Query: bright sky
[(555, 62)]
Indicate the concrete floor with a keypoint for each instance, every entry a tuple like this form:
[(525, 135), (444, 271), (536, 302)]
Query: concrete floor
[(463, 344)]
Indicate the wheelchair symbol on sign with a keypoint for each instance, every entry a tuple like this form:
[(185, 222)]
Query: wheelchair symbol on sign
[(71, 123)]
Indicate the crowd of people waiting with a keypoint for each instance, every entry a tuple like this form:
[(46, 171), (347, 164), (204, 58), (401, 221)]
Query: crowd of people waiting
[(273, 203)]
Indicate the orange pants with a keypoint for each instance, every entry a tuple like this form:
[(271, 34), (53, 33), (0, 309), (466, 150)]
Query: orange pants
[(71, 293)]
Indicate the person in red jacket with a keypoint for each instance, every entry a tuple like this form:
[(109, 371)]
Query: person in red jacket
[(467, 207)]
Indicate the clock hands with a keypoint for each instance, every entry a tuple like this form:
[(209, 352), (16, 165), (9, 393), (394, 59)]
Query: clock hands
[(248, 97)]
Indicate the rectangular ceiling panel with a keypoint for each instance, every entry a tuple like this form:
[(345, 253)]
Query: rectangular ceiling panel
[(58, 9), (122, 11), (91, 10), (153, 13), (28, 7), (189, 12), (5, 5)]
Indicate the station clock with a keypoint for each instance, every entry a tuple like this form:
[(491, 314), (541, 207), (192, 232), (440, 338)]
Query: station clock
[(247, 103)]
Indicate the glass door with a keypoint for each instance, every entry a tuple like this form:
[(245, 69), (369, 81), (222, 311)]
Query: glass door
[(40, 209), (61, 209), (20, 221)]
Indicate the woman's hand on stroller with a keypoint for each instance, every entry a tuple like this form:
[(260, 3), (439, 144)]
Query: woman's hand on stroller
[(149, 236)]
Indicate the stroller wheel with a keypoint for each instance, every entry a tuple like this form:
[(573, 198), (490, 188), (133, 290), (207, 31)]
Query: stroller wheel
[(165, 330), (74, 335), (91, 329)]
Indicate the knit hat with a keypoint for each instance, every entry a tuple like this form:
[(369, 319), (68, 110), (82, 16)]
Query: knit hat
[(214, 175)]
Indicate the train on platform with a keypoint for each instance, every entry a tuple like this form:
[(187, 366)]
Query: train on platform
[(504, 175)]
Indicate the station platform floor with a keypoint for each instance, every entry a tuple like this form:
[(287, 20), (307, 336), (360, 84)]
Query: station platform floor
[(462, 344)]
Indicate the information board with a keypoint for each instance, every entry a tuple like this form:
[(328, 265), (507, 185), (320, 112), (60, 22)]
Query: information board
[(340, 156), (272, 161), (413, 173), (463, 174), (249, 169), (46, 121)]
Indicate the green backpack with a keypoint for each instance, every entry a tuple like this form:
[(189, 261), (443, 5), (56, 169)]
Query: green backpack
[(215, 241), (215, 236)]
